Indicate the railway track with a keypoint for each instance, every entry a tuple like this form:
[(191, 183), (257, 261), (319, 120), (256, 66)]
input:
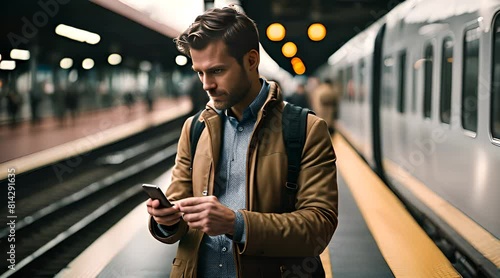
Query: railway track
[(58, 218)]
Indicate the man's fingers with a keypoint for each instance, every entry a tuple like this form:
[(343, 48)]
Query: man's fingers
[(195, 225), (154, 203), (195, 204), (161, 211), (192, 201), (165, 212), (167, 220), (193, 217), (189, 202), (193, 209)]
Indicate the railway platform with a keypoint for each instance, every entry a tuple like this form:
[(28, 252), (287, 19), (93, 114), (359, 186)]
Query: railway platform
[(27, 146), (376, 236)]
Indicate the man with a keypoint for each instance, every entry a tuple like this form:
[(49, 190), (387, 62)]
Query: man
[(326, 100), (300, 97), (231, 210)]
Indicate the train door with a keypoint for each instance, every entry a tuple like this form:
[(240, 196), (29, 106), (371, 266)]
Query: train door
[(375, 100)]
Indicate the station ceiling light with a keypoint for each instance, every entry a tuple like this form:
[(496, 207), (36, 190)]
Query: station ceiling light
[(7, 65), (145, 66), (114, 59), (289, 49), (300, 69), (316, 31), (296, 60), (88, 64), (73, 75), (66, 63), (276, 32), (298, 66), (181, 60), (20, 54), (77, 34)]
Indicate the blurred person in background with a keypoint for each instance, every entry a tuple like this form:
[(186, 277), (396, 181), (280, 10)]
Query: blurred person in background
[(59, 105), (198, 95), (299, 97), (14, 102), (71, 101), (35, 99), (149, 98), (129, 100), (326, 99)]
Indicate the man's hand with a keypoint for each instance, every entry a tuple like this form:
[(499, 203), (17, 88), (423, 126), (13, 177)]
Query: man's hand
[(208, 215), (165, 216)]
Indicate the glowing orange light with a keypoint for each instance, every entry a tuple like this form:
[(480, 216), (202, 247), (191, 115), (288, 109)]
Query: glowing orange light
[(300, 69), (276, 32), (316, 32), (296, 60), (289, 49), (298, 66)]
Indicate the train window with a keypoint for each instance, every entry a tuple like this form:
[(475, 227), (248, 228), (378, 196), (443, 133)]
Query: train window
[(402, 81), (387, 82), (350, 84), (495, 84), (446, 70), (362, 89), (429, 55), (470, 79), (340, 82)]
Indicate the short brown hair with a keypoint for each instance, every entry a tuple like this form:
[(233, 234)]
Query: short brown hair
[(235, 29)]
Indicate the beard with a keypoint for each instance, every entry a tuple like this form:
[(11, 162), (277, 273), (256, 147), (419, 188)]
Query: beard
[(225, 99)]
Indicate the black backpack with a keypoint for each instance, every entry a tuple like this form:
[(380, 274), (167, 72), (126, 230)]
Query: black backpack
[(294, 123)]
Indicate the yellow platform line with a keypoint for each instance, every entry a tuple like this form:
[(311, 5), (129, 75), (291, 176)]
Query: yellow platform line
[(351, 139), (406, 248), (91, 142), (484, 242), (327, 263)]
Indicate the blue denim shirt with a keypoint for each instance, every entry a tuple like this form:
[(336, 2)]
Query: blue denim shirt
[(215, 258)]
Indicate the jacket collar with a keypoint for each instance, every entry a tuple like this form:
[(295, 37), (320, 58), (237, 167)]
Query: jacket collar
[(274, 97)]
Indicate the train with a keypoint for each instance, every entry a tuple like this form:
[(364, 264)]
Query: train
[(420, 102)]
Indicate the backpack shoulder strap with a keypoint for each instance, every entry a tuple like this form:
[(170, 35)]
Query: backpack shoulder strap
[(294, 134), (194, 134)]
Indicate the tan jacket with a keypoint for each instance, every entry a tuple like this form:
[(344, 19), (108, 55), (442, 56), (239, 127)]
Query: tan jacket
[(278, 243)]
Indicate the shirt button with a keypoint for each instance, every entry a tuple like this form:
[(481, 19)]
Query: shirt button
[(224, 249), (240, 128), (220, 265)]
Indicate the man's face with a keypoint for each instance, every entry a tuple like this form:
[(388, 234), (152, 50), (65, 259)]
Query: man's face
[(224, 79)]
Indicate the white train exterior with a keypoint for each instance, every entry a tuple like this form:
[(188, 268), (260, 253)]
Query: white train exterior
[(421, 103)]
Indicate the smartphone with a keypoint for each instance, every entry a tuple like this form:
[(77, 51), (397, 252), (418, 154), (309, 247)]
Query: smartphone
[(154, 192)]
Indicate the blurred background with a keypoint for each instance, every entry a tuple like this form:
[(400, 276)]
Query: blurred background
[(63, 57)]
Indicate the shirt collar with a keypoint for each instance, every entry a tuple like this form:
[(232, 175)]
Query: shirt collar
[(253, 109)]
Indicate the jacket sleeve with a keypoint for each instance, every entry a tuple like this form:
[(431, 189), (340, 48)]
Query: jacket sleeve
[(310, 227), (180, 187)]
